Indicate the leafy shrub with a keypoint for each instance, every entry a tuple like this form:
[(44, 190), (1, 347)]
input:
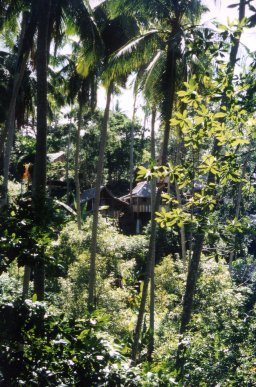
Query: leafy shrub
[(112, 245), (220, 345), (39, 348)]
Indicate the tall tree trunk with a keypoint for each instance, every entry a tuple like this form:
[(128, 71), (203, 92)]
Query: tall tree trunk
[(77, 167), (132, 150), (100, 166), (169, 85), (67, 163), (182, 228), (199, 239), (9, 128), (39, 181), (151, 341), (25, 44), (237, 210), (179, 200), (26, 279), (148, 272), (170, 80)]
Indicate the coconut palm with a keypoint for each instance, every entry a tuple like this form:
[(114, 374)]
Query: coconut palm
[(49, 25), (115, 33), (49, 22), (82, 89), (74, 14), (160, 46), (28, 26)]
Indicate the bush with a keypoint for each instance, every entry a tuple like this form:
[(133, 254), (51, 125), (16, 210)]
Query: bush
[(112, 245), (39, 348)]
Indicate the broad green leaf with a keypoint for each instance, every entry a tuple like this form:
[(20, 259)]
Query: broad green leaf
[(219, 115)]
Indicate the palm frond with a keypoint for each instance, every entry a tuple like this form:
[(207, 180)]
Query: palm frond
[(132, 56), (150, 82)]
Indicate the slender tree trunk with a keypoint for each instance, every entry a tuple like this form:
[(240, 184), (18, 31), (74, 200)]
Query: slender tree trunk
[(182, 228), (39, 183), (67, 163), (237, 210), (9, 128), (178, 196), (170, 80), (151, 341), (148, 271), (100, 166), (144, 125), (199, 239), (27, 34), (132, 150), (26, 279), (189, 297), (77, 167)]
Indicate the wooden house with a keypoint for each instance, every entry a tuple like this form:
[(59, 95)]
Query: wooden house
[(141, 204), (110, 205)]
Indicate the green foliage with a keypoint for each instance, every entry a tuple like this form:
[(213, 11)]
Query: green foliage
[(220, 342), (40, 348), (120, 265), (22, 239), (10, 284), (112, 245), (198, 124)]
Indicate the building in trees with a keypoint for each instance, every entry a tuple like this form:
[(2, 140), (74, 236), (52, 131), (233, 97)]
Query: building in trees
[(141, 204), (110, 206)]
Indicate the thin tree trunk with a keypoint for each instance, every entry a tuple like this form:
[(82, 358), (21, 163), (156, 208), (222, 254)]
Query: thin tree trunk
[(237, 210), (9, 128), (67, 163), (100, 166), (132, 150), (151, 341), (148, 271), (39, 183), (199, 239), (178, 196), (144, 126), (182, 228), (189, 296), (27, 34), (26, 279), (170, 78), (77, 168)]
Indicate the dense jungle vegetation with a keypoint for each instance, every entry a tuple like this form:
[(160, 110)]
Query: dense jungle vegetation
[(157, 289)]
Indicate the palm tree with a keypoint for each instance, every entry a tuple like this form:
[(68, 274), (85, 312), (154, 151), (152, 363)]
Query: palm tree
[(82, 90), (159, 45), (96, 205), (77, 14), (28, 26), (39, 183), (49, 24), (153, 251), (115, 34)]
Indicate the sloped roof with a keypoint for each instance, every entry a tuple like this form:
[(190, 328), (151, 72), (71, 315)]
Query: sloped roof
[(90, 194), (141, 190), (55, 156)]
